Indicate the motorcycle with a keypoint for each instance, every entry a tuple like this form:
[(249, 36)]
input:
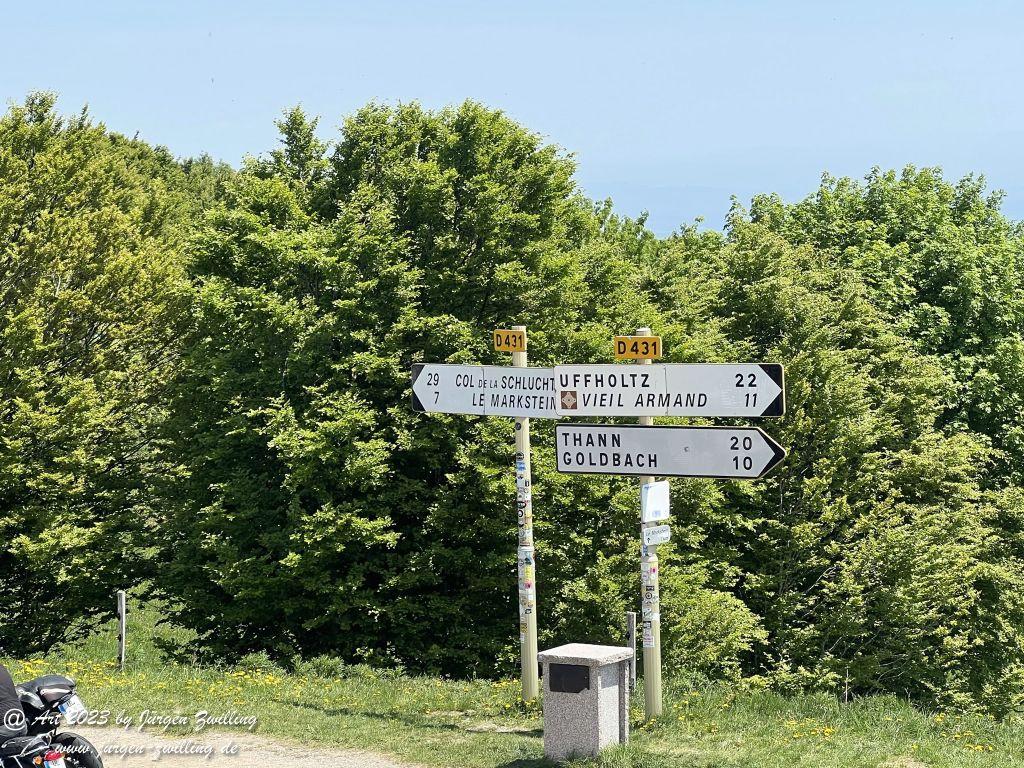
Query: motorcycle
[(30, 752), (45, 701)]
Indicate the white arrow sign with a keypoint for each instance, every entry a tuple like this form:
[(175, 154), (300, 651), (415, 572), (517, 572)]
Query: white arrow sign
[(632, 449), (657, 534), (699, 389), (484, 390)]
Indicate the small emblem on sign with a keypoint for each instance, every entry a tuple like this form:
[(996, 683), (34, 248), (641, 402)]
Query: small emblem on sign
[(569, 400)]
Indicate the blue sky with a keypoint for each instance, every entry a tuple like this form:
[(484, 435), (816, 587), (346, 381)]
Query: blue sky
[(668, 107)]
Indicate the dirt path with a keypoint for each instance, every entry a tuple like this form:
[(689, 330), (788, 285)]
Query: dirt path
[(133, 748)]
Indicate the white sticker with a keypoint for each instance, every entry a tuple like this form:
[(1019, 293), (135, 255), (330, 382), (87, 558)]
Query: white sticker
[(648, 635), (649, 573), (654, 502), (658, 534)]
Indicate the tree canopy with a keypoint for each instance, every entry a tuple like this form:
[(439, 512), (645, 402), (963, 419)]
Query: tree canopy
[(205, 388)]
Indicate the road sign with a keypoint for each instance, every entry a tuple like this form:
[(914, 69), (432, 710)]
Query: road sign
[(637, 347), (654, 502), (484, 390), (633, 449), (657, 534), (509, 341), (674, 389)]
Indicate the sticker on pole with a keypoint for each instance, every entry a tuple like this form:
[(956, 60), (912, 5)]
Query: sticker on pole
[(654, 502), (658, 534), (699, 389), (631, 449)]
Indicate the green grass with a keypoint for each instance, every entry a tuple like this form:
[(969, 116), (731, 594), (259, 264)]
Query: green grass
[(482, 723)]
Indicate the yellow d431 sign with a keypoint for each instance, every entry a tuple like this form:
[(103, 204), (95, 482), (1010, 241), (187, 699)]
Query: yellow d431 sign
[(637, 347), (509, 341)]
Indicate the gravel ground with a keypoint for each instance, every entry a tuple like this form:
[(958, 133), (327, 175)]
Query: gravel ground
[(132, 748)]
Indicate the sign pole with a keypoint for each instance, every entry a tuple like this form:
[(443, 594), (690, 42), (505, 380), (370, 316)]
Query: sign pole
[(526, 558), (122, 627), (631, 642), (650, 602)]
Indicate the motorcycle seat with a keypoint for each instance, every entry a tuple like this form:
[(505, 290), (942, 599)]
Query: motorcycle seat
[(48, 681), (22, 745), (49, 687)]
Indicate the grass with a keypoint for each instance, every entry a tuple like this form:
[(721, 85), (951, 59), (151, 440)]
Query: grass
[(482, 723)]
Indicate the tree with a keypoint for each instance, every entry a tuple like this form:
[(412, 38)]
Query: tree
[(943, 262), (873, 548), (90, 296), (282, 452), (315, 293)]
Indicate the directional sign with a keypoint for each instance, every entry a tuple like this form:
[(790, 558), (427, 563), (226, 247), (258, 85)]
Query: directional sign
[(484, 390), (657, 534), (654, 502), (637, 347), (509, 341), (698, 389), (632, 449)]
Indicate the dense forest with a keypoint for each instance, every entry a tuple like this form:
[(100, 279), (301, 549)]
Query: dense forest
[(204, 396)]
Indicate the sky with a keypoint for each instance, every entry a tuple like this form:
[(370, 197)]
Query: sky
[(667, 107)]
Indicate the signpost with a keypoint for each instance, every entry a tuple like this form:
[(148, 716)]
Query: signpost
[(674, 389), (650, 606), (709, 390), (484, 390), (497, 383), (643, 450), (522, 393), (733, 453), (638, 449)]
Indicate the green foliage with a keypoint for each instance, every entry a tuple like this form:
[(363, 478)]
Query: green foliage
[(426, 720), (486, 229), (891, 552), (210, 384), (946, 268), (324, 667), (283, 455), (258, 663), (90, 292)]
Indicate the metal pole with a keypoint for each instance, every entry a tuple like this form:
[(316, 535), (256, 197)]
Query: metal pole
[(650, 602), (526, 559), (631, 642), (122, 627)]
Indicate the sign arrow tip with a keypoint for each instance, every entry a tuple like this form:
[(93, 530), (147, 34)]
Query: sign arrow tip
[(778, 453), (417, 405), (775, 372)]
